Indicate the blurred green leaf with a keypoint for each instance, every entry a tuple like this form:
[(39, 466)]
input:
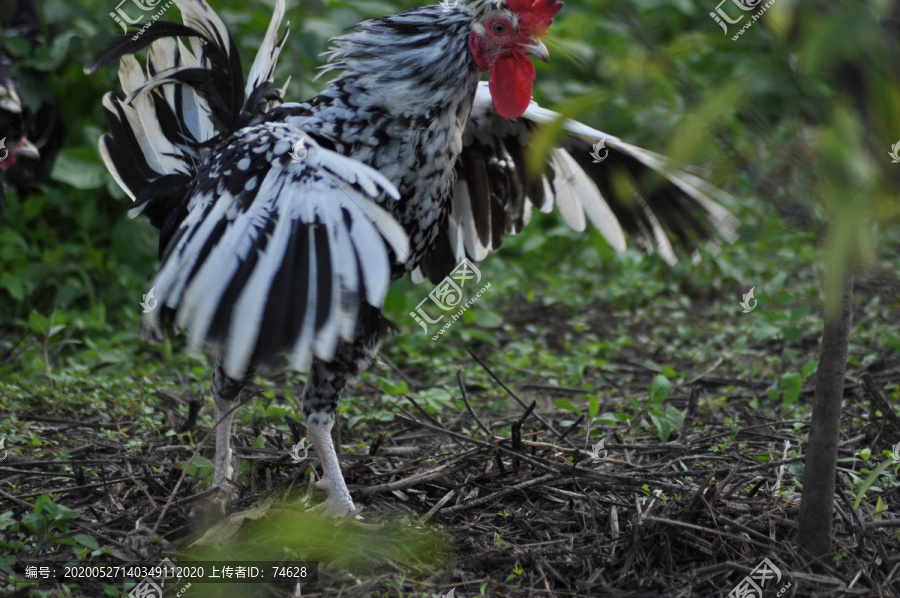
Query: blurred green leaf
[(80, 168), (567, 404), (659, 389), (791, 383)]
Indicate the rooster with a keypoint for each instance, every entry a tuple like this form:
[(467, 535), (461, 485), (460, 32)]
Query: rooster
[(409, 164), (19, 156)]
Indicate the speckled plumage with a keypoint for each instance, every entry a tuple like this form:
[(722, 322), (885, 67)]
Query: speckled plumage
[(401, 106), (407, 165)]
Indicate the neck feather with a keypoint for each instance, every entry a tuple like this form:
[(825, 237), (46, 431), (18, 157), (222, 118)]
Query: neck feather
[(415, 61)]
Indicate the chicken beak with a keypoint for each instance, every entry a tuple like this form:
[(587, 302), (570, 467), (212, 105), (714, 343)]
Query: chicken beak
[(536, 48), (26, 149)]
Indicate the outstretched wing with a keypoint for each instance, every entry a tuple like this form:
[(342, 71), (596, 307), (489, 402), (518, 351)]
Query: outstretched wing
[(273, 255), (622, 189)]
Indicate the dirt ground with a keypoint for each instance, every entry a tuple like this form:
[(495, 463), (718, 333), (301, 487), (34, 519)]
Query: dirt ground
[(446, 512)]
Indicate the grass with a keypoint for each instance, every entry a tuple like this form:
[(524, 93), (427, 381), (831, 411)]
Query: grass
[(577, 316)]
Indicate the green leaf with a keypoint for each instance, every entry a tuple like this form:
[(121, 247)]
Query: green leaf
[(791, 383), (36, 524), (676, 417), (593, 406), (42, 501), (807, 370), (659, 389), (79, 168), (49, 59), (791, 333), (567, 404), (764, 330), (871, 479), (199, 463), (17, 46), (611, 418), (277, 413), (6, 520), (392, 388), (663, 427), (800, 312), (39, 324), (468, 334), (487, 318), (14, 285)]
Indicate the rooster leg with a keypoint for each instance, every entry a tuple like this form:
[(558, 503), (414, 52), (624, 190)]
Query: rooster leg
[(320, 397), (338, 502), (225, 395)]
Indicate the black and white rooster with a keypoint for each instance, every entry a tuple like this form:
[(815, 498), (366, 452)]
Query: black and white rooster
[(20, 18), (282, 225)]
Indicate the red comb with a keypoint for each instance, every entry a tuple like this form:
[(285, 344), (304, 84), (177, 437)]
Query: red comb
[(535, 16)]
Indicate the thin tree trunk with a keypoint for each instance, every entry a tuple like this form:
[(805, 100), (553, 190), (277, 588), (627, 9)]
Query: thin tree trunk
[(817, 500)]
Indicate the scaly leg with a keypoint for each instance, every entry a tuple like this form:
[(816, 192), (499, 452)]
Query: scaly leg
[(338, 502), (225, 395), (320, 397)]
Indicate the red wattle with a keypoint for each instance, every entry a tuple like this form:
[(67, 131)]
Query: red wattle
[(511, 82)]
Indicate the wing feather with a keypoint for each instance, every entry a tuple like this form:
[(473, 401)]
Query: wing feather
[(282, 265), (630, 192)]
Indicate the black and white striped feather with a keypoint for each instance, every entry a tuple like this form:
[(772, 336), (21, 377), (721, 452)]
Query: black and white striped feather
[(184, 102), (632, 192), (275, 255), (261, 254)]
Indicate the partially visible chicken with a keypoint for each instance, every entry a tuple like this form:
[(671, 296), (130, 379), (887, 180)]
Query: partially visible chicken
[(14, 146), (24, 132)]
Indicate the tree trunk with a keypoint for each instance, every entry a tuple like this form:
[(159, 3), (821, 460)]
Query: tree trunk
[(817, 500)]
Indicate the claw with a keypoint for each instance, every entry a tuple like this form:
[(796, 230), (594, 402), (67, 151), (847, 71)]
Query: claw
[(338, 503)]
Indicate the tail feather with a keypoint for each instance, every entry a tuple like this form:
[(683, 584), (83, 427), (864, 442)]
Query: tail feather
[(263, 68), (123, 45), (189, 98)]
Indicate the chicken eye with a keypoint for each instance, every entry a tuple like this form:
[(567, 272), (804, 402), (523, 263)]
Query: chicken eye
[(498, 27)]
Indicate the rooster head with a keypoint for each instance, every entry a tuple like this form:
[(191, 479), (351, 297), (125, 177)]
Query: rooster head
[(18, 149), (501, 41)]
